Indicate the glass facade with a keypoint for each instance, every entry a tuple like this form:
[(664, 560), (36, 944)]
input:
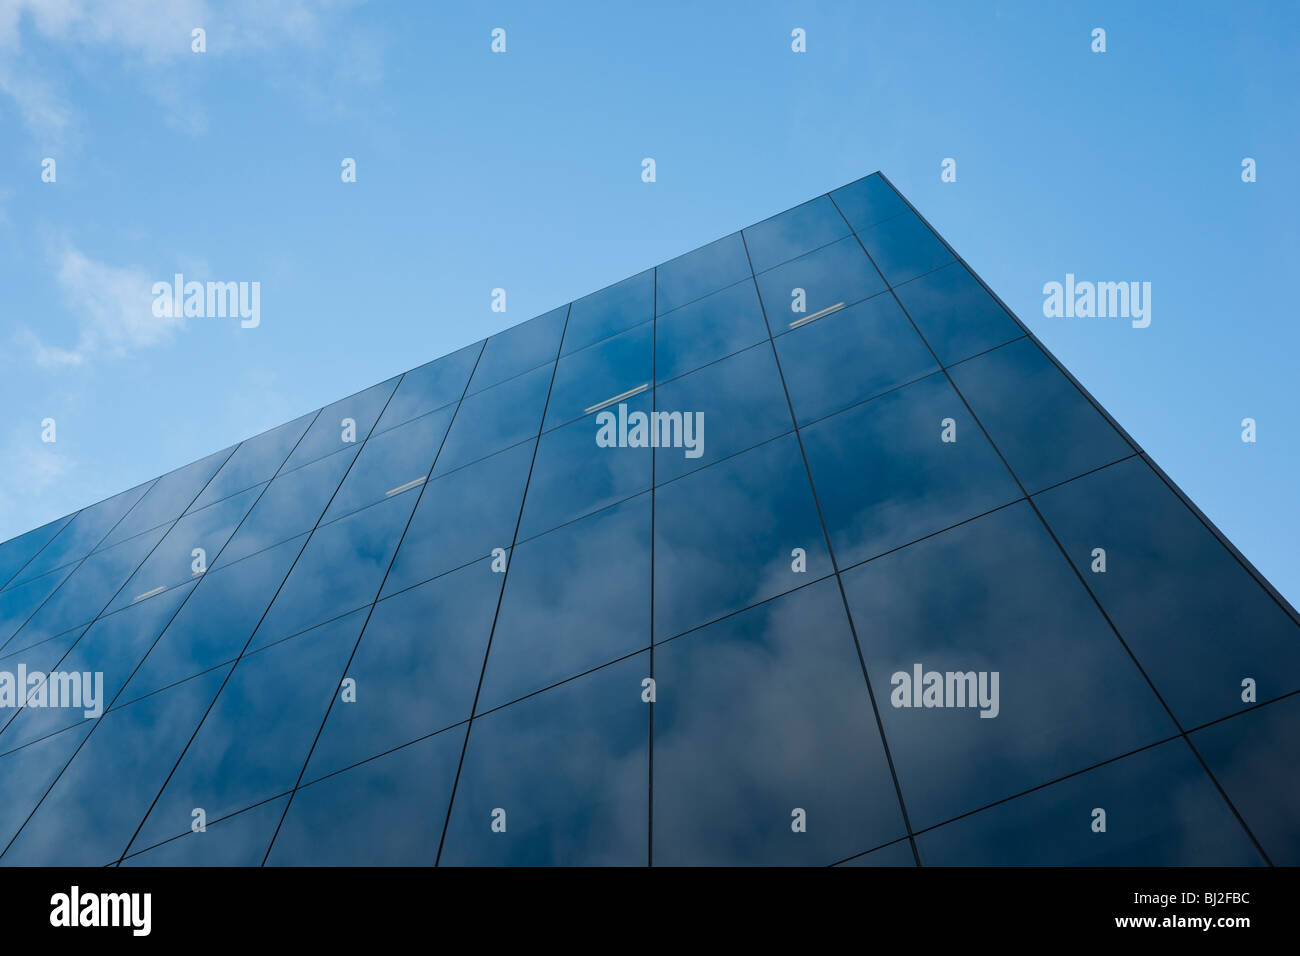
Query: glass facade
[(795, 549)]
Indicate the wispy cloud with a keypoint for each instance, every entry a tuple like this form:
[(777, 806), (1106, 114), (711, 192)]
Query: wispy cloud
[(114, 308)]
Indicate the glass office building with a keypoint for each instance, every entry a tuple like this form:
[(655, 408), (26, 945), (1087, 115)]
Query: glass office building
[(795, 549)]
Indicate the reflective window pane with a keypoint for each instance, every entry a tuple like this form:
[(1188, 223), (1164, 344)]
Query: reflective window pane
[(290, 506), (834, 276), (255, 740), (174, 561), (216, 622), (21, 601), (237, 840), (708, 329), (719, 410), (793, 233), (26, 774), (903, 248), (1161, 810), (758, 714), (86, 530), (595, 375), (570, 768), (697, 273), (429, 387), (885, 476), (1255, 756), (16, 552), (168, 499), (520, 349), (416, 668), (868, 201), (494, 419), (954, 313), (340, 569), (898, 853), (463, 516), (390, 464), (1057, 435), (726, 536), (574, 599), (88, 817), (851, 355), (386, 812), (574, 475), (961, 656), (1194, 618), (344, 424), (253, 462), (611, 310)]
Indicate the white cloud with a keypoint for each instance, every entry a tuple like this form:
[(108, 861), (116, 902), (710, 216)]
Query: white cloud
[(114, 307)]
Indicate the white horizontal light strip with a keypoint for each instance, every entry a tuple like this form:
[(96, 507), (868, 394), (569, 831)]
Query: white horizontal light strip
[(617, 398), (816, 315), (148, 594), (406, 487)]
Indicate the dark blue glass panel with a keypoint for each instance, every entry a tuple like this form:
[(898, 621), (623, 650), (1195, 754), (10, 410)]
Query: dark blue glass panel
[(238, 840), (595, 375), (697, 273), (88, 817), (1197, 622), (429, 387), (993, 597), (1161, 810), (611, 310), (884, 476), (255, 740), (727, 407), (20, 602), (253, 462), (344, 424), (868, 201), (850, 355), (574, 476), (82, 533), (213, 626), (290, 506), (393, 463), (793, 233), (1044, 427), (519, 349), (708, 329), (835, 275), (759, 716), (386, 812), (168, 499), (463, 516), (27, 773), (16, 552), (494, 419), (725, 536), (903, 248), (87, 590), (340, 569), (173, 561), (96, 667), (1255, 756), (954, 313), (416, 669), (574, 599), (896, 854), (569, 769)]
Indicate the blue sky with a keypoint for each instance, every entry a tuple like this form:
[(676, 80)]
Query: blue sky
[(522, 171)]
